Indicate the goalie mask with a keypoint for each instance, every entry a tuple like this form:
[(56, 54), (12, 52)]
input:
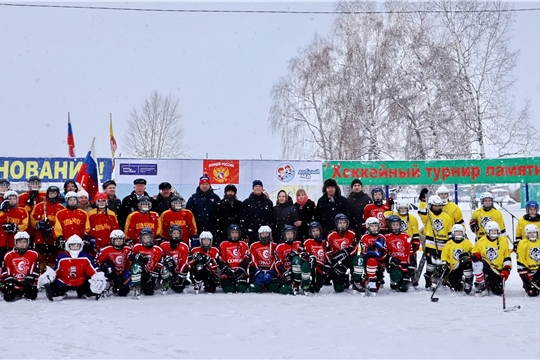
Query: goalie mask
[(118, 239), (178, 203), (206, 238), (146, 237), (22, 241), (145, 204), (72, 200), (265, 234), (74, 246)]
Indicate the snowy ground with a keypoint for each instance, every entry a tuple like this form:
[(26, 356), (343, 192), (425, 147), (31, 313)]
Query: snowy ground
[(327, 325)]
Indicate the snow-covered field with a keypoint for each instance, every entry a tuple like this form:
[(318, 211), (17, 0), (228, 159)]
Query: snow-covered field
[(327, 325)]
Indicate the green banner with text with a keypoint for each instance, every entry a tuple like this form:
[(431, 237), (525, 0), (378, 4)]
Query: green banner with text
[(487, 171)]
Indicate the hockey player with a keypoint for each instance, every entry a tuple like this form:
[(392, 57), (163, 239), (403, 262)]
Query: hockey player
[(74, 270), (13, 219), (140, 219), (235, 258), (409, 224), (314, 264), (175, 261), (481, 216), (102, 222), (33, 196), (4, 186), (399, 250), (528, 260), (491, 260), (450, 207), (113, 260), (285, 254), (21, 270), (146, 263), (531, 217), (261, 269), (204, 264), (437, 229), (178, 215), (341, 245), (378, 208), (456, 258), (43, 219), (370, 261), (70, 221)]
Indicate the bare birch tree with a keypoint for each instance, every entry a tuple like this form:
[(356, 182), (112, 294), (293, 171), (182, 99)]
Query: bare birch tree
[(156, 130)]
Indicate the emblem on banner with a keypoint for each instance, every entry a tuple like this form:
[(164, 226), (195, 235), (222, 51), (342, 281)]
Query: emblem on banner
[(285, 172)]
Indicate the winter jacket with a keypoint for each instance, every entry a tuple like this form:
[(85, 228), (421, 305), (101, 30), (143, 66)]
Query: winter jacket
[(257, 210), (203, 206), (130, 204), (328, 208), (357, 203), (227, 213), (285, 214), (307, 215), (114, 204), (162, 204)]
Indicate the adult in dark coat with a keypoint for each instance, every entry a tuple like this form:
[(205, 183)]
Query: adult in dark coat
[(228, 212), (203, 205), (113, 202), (357, 202), (131, 202), (306, 211), (163, 199), (329, 205), (257, 210), (285, 213)]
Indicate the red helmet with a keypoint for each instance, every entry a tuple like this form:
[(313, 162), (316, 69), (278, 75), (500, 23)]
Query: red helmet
[(100, 196)]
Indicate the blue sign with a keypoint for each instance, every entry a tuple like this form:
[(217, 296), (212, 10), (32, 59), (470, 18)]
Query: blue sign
[(138, 169)]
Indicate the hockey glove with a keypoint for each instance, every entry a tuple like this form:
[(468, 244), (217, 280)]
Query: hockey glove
[(269, 276), (260, 277), (47, 277), (239, 273), (10, 280), (505, 273), (287, 275), (43, 224), (227, 271), (29, 281), (154, 277), (340, 255), (10, 227), (168, 261), (141, 259), (390, 202), (473, 224), (312, 261), (394, 261), (291, 255), (89, 244), (5, 205), (476, 257), (339, 269), (327, 270), (423, 194), (516, 243), (98, 282)]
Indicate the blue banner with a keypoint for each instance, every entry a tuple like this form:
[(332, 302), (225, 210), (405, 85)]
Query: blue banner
[(48, 169)]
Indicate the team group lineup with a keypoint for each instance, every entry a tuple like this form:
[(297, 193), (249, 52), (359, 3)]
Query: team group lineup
[(62, 242)]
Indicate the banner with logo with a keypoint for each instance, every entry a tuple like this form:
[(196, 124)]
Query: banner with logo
[(222, 171)]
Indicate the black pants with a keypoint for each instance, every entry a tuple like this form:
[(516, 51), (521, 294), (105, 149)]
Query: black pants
[(60, 289), (14, 290)]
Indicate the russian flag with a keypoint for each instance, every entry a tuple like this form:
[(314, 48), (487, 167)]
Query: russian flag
[(70, 140), (88, 173)]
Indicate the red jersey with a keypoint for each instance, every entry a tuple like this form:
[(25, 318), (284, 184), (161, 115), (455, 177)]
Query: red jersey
[(372, 210), (180, 255), (283, 249), (19, 266), (71, 222), (30, 207), (213, 253), (136, 221), (367, 243), (74, 271), (15, 215), (118, 257), (183, 218), (234, 253), (154, 254), (399, 246), (337, 242), (312, 247), (39, 214), (102, 222), (262, 256)]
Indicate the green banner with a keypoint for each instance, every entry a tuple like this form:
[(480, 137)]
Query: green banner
[(487, 171)]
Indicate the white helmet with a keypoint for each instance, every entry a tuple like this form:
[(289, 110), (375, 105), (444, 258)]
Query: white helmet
[(208, 235), (435, 200), (458, 227), (372, 221), (265, 239), (9, 193), (118, 239), (265, 228), (21, 235), (443, 190), (486, 195), (531, 228), (402, 203), (492, 226), (74, 245)]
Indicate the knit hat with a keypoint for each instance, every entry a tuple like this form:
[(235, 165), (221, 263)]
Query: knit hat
[(257, 182), (82, 193), (356, 181), (205, 179)]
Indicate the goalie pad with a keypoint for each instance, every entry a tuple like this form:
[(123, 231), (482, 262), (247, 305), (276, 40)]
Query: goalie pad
[(98, 282), (47, 277)]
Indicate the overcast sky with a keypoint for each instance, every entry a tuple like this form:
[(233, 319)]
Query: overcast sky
[(220, 66)]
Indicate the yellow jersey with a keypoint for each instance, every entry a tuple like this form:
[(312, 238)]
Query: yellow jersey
[(453, 250), (454, 211), (438, 234), (482, 217), (528, 255), (496, 253), (524, 221)]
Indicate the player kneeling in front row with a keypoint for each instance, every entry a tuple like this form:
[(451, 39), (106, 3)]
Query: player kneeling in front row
[(21, 270), (343, 246), (261, 269), (113, 260), (74, 270), (491, 261), (528, 260), (369, 263), (456, 258), (146, 266), (175, 261), (234, 255), (204, 265), (287, 253), (399, 250), (313, 264)]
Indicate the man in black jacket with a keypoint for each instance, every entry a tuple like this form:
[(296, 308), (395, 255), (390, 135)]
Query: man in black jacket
[(357, 202), (257, 210), (131, 202), (329, 205), (203, 205), (163, 199), (113, 202), (228, 212)]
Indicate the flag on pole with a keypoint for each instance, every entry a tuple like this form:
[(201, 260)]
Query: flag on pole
[(87, 175), (70, 140), (113, 143)]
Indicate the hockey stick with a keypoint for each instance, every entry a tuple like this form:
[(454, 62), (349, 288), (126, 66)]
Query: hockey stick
[(436, 299), (515, 307)]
